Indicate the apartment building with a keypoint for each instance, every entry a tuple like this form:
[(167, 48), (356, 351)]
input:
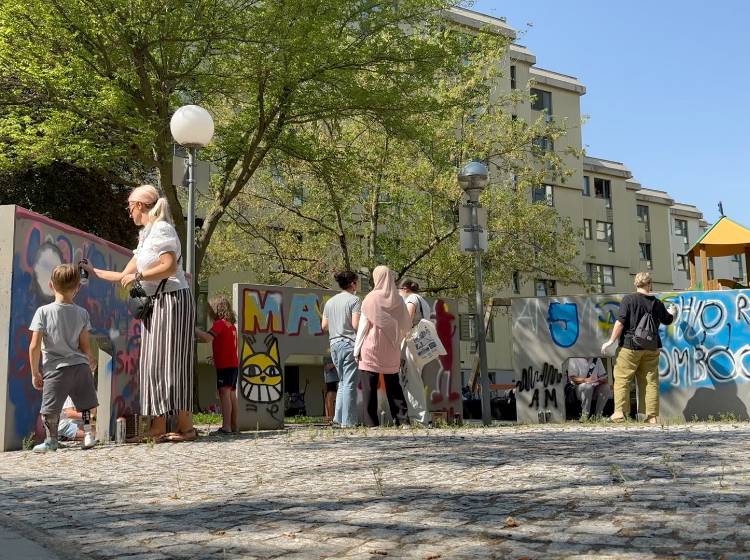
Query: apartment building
[(626, 228)]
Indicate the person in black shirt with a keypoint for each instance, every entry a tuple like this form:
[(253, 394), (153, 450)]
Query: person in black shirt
[(632, 360)]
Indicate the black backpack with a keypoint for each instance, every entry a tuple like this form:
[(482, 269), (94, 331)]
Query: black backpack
[(646, 334)]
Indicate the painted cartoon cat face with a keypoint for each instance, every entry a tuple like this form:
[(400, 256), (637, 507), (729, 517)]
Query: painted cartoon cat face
[(261, 373)]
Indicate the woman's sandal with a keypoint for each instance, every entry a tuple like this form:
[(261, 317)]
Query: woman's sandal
[(176, 437), (147, 439)]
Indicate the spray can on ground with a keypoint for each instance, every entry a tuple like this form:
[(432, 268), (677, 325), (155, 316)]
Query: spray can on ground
[(120, 428), (82, 272)]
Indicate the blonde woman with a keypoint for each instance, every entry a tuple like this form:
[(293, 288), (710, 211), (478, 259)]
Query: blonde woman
[(166, 359), (634, 359)]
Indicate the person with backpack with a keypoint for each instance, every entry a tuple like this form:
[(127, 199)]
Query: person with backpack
[(637, 333)]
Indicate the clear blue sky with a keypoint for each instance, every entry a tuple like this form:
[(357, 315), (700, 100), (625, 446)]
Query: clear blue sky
[(665, 82)]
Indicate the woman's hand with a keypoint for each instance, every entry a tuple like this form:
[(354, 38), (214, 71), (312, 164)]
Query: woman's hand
[(127, 279), (84, 264)]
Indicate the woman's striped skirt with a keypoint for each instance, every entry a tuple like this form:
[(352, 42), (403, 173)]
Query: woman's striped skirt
[(167, 348)]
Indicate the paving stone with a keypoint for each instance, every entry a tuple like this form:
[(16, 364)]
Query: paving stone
[(309, 494)]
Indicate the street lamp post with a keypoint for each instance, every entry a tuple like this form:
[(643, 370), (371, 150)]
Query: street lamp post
[(473, 179), (193, 128)]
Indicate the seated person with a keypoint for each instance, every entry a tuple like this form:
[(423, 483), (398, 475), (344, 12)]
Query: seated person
[(590, 380), (71, 422)]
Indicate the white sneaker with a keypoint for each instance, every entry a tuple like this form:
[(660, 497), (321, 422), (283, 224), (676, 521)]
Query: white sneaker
[(89, 441)]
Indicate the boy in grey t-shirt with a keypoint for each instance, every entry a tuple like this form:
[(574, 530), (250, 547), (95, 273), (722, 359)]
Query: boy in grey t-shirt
[(60, 336)]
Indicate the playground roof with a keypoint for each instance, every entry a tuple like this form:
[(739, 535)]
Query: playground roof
[(724, 238)]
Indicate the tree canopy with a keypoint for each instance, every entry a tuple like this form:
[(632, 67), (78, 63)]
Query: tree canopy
[(340, 124)]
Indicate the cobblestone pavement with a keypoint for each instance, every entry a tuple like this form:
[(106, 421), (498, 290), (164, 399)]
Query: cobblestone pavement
[(578, 491)]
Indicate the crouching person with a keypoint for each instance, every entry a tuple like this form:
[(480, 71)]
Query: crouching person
[(71, 422)]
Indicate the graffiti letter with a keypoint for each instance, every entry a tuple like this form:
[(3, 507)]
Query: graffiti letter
[(742, 309), (563, 323), (262, 313), (550, 396), (304, 309), (535, 399)]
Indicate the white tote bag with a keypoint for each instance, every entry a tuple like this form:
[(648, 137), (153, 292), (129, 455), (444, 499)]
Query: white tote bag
[(424, 344)]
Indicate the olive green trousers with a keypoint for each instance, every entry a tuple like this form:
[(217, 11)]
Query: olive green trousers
[(644, 366)]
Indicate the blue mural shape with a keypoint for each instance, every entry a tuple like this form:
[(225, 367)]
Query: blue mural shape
[(709, 342), (563, 323)]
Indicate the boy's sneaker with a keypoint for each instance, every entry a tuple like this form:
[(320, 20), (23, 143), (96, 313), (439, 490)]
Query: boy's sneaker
[(44, 447), (89, 441)]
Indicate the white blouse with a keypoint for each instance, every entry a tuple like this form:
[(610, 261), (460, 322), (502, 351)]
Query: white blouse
[(153, 241)]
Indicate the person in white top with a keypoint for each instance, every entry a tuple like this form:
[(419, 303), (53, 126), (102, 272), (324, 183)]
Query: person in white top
[(590, 380), (411, 373), (167, 336)]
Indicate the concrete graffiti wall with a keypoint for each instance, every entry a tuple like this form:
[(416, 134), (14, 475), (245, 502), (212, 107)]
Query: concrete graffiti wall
[(31, 246), (275, 323), (704, 367)]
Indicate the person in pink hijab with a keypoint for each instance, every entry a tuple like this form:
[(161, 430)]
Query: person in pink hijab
[(383, 325)]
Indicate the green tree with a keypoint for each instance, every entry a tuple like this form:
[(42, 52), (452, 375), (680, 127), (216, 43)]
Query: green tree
[(94, 82), (371, 196), (64, 192)]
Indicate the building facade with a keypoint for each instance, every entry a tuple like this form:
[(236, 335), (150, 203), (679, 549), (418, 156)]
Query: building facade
[(625, 227)]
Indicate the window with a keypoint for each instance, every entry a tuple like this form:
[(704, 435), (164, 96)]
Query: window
[(645, 250), (602, 189), (512, 76), (586, 228), (542, 100), (543, 194), (467, 328), (682, 262), (516, 280), (586, 186), (601, 274), (681, 230), (542, 144), (544, 288), (605, 232), (642, 212)]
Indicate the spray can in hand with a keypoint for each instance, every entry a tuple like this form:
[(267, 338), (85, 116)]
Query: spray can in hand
[(83, 273)]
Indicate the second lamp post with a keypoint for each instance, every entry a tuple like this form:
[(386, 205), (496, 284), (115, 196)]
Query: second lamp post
[(473, 179)]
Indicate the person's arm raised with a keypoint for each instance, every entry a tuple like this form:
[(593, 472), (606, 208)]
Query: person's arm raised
[(110, 275), (165, 268)]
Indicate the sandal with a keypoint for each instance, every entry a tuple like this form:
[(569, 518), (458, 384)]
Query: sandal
[(616, 420), (176, 437)]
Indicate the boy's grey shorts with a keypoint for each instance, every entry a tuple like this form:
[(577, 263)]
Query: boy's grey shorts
[(76, 381)]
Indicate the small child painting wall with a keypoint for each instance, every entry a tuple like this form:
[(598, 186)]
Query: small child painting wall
[(31, 246), (704, 366), (277, 322)]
